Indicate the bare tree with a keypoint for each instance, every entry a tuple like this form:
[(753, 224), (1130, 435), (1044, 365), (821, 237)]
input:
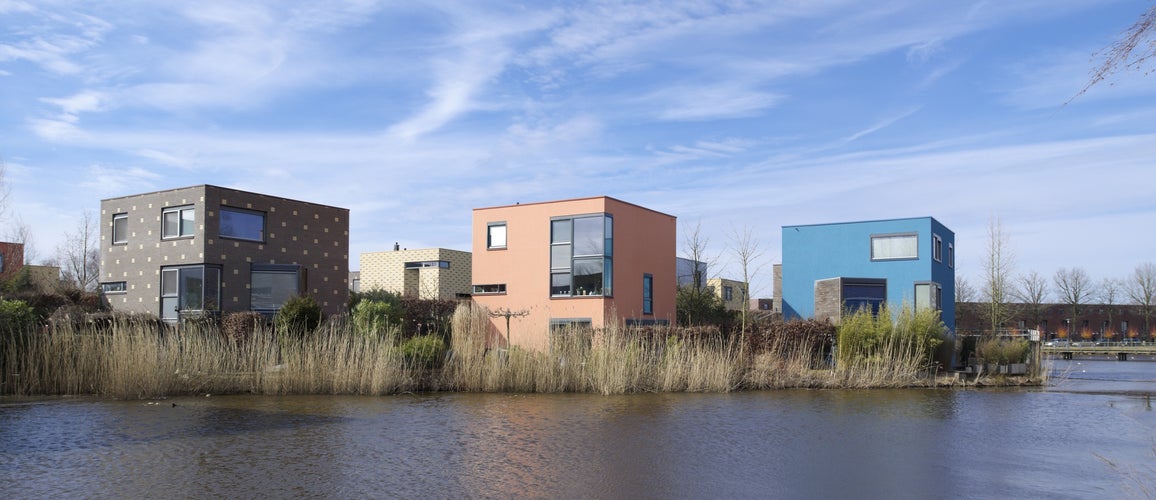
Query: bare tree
[(695, 248), (1131, 51), (1110, 293), (998, 268), (964, 292), (695, 304), (747, 252), (79, 254), (1074, 288), (1032, 292), (1141, 288), (21, 232), (5, 191)]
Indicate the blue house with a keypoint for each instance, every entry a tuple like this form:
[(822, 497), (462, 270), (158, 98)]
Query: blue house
[(831, 268)]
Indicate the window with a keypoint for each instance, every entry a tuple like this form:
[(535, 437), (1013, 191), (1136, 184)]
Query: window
[(114, 287), (581, 250), (177, 222), (119, 229), (895, 246), (443, 264), (647, 294), (864, 293), (951, 255), (499, 288), (937, 248), (570, 333), (496, 235), (927, 296), (1, 262), (242, 224), (189, 288), (728, 293), (271, 285)]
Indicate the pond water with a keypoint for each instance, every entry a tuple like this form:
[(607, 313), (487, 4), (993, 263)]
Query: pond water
[(1055, 442)]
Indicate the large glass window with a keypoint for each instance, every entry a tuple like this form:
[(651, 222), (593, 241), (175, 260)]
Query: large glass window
[(242, 224), (119, 229), (895, 246), (189, 288), (271, 285), (864, 294), (580, 256), (496, 235), (177, 222)]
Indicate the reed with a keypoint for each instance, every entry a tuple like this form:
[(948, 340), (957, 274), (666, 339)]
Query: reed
[(137, 359)]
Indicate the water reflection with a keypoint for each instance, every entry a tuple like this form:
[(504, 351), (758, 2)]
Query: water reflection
[(812, 444)]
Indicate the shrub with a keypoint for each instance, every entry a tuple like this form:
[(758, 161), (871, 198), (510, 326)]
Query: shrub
[(15, 317), (374, 318), (866, 336), (298, 317), (778, 337), (376, 295), (239, 326), (427, 316), (1002, 351), (425, 351)]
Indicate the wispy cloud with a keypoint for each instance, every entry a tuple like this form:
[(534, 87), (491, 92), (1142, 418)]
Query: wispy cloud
[(882, 124)]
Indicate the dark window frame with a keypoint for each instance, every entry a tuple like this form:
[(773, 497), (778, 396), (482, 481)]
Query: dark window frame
[(241, 211)]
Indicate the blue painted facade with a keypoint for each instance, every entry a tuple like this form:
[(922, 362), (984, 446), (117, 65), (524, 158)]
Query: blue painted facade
[(844, 250)]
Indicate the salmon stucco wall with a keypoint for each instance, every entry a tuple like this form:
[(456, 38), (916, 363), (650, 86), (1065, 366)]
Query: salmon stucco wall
[(644, 243)]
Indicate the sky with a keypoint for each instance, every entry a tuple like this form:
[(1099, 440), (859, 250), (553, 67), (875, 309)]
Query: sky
[(733, 116)]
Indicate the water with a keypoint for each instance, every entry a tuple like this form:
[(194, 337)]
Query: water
[(1017, 443)]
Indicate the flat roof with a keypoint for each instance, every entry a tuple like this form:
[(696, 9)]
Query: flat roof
[(926, 217), (603, 197), (205, 186)]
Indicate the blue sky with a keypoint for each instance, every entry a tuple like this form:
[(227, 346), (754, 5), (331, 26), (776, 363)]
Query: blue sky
[(728, 115)]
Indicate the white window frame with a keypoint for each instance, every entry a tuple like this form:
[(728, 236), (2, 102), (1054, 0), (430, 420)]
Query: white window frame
[(120, 237), (180, 230)]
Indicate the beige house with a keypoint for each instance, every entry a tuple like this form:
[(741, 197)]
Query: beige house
[(428, 273), (730, 292)]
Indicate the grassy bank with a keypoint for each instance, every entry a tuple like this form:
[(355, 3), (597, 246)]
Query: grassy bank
[(142, 360)]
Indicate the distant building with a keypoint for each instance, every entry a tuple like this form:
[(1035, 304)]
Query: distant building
[(11, 260), (428, 273), (580, 263), (828, 269), (730, 292), (208, 249), (355, 281), (688, 269), (1053, 320)]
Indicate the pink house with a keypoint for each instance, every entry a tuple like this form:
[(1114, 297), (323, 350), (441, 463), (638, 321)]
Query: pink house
[(582, 262)]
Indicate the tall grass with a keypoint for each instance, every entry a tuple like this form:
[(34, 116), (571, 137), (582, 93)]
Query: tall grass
[(133, 359)]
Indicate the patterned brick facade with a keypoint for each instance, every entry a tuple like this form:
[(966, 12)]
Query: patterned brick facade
[(311, 238), (428, 273)]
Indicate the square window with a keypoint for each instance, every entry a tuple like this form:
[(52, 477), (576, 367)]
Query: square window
[(177, 222), (496, 235)]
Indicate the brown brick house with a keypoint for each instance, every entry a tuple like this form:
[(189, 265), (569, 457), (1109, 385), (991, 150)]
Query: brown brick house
[(213, 249)]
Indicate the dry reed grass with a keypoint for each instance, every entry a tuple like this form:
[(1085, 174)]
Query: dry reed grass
[(135, 360)]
